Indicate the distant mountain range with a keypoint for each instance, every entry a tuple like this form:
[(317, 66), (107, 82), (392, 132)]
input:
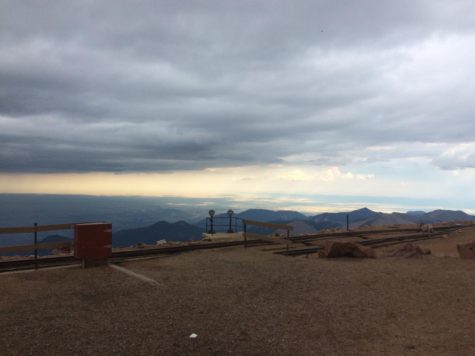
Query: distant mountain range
[(366, 217), (148, 219), (183, 231), (154, 218), (179, 231)]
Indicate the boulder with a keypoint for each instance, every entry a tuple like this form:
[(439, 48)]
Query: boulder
[(466, 250), (346, 249)]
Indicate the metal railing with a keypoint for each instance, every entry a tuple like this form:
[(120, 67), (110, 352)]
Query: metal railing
[(231, 224), (268, 225), (223, 224)]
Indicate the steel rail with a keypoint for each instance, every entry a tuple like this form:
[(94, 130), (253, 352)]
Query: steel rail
[(373, 243), (362, 233), (178, 249), (303, 251), (351, 233), (44, 262), (14, 265)]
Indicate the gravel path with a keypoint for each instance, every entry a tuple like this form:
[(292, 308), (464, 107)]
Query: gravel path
[(244, 302)]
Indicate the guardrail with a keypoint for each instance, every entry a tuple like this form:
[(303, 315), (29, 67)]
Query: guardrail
[(35, 228), (233, 224), (269, 225), (36, 246), (223, 224)]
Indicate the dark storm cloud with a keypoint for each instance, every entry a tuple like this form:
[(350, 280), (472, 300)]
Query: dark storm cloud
[(166, 85)]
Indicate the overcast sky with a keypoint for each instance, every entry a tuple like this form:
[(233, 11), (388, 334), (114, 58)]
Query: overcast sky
[(271, 97)]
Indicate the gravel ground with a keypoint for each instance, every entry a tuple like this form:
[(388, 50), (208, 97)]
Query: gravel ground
[(244, 302), (447, 247)]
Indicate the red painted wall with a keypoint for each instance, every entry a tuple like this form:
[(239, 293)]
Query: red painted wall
[(93, 241)]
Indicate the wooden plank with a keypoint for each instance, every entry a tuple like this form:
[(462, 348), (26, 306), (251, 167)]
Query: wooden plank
[(251, 235), (27, 229), (40, 246), (273, 239), (269, 225), (55, 227), (16, 230)]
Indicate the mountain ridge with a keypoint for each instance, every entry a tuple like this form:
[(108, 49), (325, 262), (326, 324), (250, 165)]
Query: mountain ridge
[(364, 217), (162, 230)]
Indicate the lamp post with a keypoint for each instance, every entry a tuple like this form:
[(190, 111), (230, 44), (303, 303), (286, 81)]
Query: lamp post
[(211, 214), (230, 214)]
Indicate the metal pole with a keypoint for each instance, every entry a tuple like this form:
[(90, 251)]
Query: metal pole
[(211, 223), (288, 237), (347, 222), (230, 230), (36, 242), (245, 235)]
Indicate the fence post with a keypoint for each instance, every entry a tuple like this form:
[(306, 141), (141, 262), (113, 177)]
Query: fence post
[(288, 238), (211, 231), (36, 242), (245, 235)]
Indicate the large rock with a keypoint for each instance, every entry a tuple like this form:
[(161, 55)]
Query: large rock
[(409, 250), (346, 249), (466, 250)]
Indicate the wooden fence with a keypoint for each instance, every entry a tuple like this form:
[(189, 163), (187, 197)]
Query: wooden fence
[(35, 246), (269, 225)]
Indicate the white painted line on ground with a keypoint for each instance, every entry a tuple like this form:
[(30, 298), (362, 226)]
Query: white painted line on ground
[(133, 274)]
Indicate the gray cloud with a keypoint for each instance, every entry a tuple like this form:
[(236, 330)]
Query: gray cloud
[(163, 85)]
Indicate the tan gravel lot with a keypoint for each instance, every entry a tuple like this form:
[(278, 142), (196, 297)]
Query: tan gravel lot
[(244, 302)]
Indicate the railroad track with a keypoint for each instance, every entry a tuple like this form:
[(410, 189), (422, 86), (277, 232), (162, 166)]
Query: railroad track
[(381, 242), (355, 233), (44, 262), (365, 233), (393, 240), (298, 252)]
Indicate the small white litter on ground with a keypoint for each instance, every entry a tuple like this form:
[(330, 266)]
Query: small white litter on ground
[(193, 336)]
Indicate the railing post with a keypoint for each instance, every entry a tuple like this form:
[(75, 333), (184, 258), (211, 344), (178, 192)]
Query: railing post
[(230, 228), (211, 215), (245, 235), (36, 242), (288, 238), (230, 215), (211, 231)]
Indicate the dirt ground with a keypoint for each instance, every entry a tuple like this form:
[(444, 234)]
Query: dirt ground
[(244, 302), (447, 246)]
